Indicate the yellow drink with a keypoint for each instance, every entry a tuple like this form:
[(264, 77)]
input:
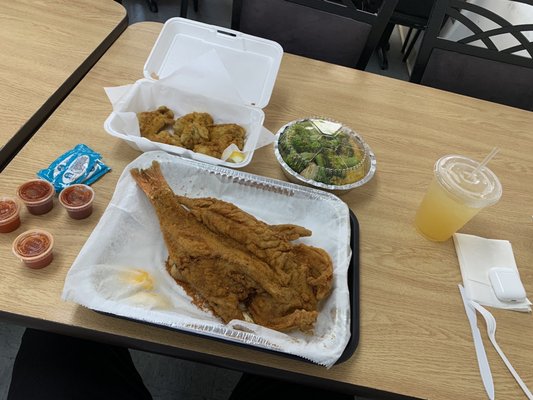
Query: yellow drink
[(457, 192), (440, 216)]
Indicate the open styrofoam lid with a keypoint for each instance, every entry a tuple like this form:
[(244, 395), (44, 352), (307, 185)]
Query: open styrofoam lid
[(251, 62)]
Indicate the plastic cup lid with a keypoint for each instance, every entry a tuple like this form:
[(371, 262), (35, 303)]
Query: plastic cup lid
[(456, 175)]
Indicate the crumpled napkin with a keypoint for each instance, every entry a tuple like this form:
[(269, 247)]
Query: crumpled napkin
[(477, 256)]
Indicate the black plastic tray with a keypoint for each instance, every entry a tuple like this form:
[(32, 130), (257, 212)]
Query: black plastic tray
[(353, 286)]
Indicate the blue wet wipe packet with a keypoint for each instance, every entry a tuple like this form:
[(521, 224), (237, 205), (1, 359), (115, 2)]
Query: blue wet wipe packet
[(78, 165)]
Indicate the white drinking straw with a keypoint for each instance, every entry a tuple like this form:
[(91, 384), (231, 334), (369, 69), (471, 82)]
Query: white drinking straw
[(486, 160)]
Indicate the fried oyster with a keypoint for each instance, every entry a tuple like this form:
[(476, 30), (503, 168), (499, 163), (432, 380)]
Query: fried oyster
[(235, 265), (192, 129), (221, 136), (195, 131), (152, 122)]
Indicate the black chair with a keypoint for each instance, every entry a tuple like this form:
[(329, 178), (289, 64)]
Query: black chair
[(462, 66), (152, 5), (413, 14), (335, 31)]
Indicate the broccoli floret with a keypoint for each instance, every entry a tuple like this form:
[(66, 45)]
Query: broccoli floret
[(302, 141)]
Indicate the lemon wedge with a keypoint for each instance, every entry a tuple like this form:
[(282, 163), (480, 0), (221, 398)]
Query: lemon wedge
[(236, 157)]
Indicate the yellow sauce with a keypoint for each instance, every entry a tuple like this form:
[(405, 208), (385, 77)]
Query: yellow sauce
[(139, 278)]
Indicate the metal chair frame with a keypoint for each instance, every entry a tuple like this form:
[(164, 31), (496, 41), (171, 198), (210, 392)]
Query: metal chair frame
[(452, 9)]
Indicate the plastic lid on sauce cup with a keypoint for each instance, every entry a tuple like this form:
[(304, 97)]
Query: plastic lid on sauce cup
[(78, 200), (37, 194), (34, 248), (9, 214)]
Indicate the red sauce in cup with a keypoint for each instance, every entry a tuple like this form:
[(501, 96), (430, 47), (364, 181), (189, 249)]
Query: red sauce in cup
[(78, 200), (34, 248), (38, 195), (76, 196), (33, 245), (34, 191), (9, 214), (8, 208)]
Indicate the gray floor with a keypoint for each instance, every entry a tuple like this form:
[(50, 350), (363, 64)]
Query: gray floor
[(168, 378)]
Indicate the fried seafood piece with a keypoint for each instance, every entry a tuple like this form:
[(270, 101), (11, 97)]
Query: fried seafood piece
[(192, 135), (198, 118), (151, 122), (222, 274), (221, 136), (164, 137), (192, 129), (269, 243), (212, 272)]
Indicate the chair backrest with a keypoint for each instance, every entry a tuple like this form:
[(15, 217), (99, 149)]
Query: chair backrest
[(335, 31), (412, 13), (471, 50)]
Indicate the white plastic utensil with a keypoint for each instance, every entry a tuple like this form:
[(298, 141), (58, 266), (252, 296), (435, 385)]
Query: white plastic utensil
[(491, 330), (483, 362)]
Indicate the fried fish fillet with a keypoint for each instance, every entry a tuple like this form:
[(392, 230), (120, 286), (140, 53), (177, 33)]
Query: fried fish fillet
[(220, 137), (151, 122), (269, 243), (230, 262), (195, 131), (192, 129)]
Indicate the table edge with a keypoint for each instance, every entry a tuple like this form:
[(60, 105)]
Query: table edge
[(32, 125)]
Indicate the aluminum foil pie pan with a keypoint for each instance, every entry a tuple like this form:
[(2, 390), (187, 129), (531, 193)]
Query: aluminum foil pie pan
[(324, 154)]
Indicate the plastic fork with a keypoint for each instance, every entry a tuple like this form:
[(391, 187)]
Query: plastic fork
[(491, 330)]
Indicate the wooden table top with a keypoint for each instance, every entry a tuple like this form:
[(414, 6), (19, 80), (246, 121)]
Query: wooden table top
[(415, 339), (45, 49)]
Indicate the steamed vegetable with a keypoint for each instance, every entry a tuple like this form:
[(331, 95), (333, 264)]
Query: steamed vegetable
[(335, 159)]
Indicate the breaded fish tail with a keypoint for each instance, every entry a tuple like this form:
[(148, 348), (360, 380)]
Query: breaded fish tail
[(230, 262), (192, 257)]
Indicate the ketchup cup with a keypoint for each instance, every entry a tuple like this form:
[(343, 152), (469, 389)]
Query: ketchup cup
[(34, 248), (38, 195), (9, 214), (78, 200)]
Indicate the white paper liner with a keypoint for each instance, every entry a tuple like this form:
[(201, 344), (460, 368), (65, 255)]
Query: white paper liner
[(203, 85), (107, 274)]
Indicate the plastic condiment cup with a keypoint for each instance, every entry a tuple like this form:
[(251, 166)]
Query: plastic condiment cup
[(37, 195), (456, 194), (77, 200), (34, 248), (9, 214)]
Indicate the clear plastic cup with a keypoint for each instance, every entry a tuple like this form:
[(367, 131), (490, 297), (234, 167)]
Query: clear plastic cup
[(456, 194), (37, 195), (77, 200), (9, 214), (34, 248)]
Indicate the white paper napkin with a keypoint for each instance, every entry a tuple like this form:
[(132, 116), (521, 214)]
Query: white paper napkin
[(477, 256)]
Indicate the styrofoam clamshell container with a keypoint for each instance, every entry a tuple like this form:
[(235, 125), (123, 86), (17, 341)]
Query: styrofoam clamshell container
[(251, 64)]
